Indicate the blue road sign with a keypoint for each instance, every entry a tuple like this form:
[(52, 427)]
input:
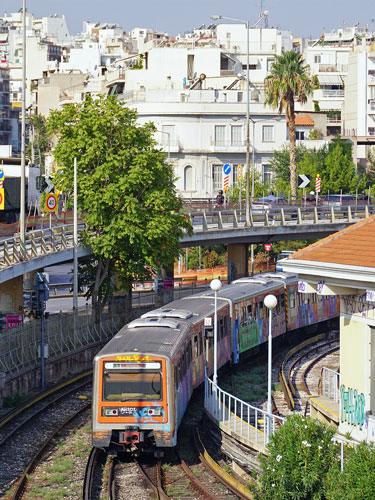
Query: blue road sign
[(1, 174), (227, 169)]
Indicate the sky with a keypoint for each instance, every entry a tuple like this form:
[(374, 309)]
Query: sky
[(303, 17)]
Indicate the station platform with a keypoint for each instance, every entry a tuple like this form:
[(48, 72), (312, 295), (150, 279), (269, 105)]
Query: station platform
[(325, 409)]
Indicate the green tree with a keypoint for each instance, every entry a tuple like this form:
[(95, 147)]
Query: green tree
[(280, 165), (356, 481), (289, 79), (340, 173), (38, 137), (126, 193), (300, 455)]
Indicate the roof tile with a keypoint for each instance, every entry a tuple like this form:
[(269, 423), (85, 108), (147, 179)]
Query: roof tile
[(353, 246)]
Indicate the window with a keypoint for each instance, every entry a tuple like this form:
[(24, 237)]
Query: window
[(236, 135), (317, 59), (268, 133), (292, 299), (269, 64), (266, 174), (221, 328), (168, 135), (371, 131), (135, 386), (219, 135), (188, 178), (217, 178), (300, 135), (195, 346)]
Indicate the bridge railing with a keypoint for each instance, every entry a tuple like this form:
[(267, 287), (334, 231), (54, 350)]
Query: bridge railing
[(282, 215), (43, 241)]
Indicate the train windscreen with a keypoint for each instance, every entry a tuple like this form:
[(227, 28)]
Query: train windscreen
[(134, 386)]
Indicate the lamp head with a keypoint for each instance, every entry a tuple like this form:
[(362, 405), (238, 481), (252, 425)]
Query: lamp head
[(266, 12), (215, 17), (270, 301), (216, 285)]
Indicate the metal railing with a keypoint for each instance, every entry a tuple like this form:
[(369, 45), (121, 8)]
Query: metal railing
[(66, 332), (58, 238), (242, 418), (330, 384)]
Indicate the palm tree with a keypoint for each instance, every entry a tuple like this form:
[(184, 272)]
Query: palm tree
[(289, 80)]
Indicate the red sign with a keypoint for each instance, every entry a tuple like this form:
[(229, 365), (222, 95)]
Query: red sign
[(267, 247), (14, 320), (317, 183)]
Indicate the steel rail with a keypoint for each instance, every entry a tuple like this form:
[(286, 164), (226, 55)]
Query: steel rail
[(288, 396), (298, 360), (96, 455), (154, 484), (232, 484), (22, 482), (40, 410), (42, 395), (314, 361)]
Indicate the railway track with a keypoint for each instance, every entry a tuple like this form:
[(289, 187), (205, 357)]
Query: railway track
[(26, 432), (293, 373)]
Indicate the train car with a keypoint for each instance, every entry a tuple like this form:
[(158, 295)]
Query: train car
[(144, 377)]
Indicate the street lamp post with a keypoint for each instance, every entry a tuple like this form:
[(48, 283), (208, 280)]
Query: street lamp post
[(23, 131), (215, 18), (215, 286), (270, 302)]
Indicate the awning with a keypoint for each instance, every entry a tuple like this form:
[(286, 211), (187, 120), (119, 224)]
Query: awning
[(330, 80)]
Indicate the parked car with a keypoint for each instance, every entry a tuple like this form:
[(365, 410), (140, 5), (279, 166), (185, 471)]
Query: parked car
[(338, 200), (269, 202)]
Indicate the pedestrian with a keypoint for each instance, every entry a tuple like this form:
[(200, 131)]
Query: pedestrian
[(220, 199)]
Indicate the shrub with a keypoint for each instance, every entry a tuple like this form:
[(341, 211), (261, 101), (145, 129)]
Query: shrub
[(300, 454), (356, 482)]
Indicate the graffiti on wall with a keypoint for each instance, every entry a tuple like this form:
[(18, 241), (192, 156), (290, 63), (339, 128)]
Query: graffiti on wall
[(357, 304), (352, 406)]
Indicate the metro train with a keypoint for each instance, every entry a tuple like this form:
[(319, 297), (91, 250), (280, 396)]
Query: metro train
[(145, 376)]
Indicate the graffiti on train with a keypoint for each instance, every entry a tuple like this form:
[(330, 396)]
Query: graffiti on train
[(146, 416), (352, 406)]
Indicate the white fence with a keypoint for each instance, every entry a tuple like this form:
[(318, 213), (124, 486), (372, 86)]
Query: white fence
[(243, 419), (330, 384)]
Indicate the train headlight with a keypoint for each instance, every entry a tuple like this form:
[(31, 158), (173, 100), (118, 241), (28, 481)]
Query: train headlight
[(110, 412), (156, 411)]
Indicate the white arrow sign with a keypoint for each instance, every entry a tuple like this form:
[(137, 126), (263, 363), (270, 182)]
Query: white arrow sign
[(303, 180), (50, 186)]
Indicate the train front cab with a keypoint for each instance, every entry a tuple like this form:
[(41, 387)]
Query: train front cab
[(132, 402)]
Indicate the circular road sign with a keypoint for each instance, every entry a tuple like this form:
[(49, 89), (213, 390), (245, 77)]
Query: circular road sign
[(268, 247), (227, 169), (1, 174), (1, 198), (51, 202)]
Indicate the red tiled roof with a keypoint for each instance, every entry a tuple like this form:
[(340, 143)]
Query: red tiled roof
[(304, 121), (353, 246)]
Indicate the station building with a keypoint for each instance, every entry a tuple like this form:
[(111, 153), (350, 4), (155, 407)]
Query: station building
[(344, 264)]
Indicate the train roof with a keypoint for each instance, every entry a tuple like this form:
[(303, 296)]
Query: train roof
[(162, 331), (159, 336)]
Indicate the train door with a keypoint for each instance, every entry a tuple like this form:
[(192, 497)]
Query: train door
[(291, 307), (197, 356)]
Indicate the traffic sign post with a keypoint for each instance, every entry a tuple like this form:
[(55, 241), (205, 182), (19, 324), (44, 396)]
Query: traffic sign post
[(318, 182), (227, 170), (303, 181), (267, 248), (51, 203)]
